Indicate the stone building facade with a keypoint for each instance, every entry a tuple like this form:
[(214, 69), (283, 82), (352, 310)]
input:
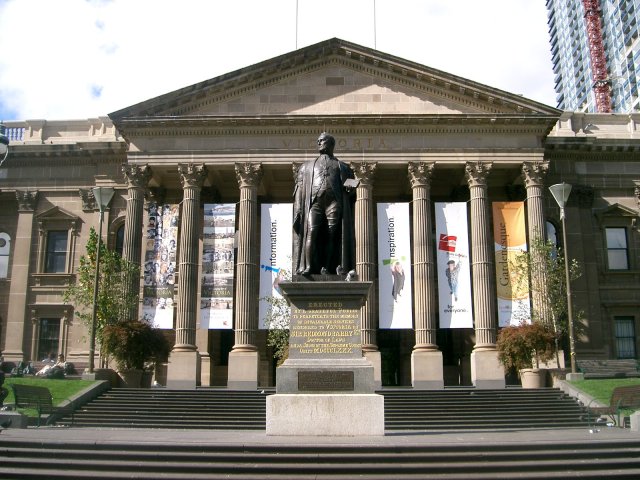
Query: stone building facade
[(410, 133)]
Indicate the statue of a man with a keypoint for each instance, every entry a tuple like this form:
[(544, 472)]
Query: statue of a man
[(322, 214)]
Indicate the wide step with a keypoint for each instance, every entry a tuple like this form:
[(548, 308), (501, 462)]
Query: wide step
[(405, 409)]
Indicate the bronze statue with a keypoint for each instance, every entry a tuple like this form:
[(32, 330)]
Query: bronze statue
[(324, 241)]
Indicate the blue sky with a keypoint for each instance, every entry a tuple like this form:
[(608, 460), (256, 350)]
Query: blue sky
[(75, 59)]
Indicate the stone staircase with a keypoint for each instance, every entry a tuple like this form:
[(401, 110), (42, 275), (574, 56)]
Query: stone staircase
[(165, 456), (405, 409), (624, 368), (469, 409), (161, 408)]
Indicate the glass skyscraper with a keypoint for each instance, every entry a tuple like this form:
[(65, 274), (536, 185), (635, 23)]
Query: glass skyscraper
[(572, 57)]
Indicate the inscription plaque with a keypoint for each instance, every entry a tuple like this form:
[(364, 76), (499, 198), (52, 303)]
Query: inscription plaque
[(324, 329), (318, 380)]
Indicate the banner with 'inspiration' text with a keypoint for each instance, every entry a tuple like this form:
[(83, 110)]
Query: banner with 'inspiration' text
[(394, 266), (510, 237), (275, 252), (452, 260)]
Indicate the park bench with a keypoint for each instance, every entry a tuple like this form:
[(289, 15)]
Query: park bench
[(31, 396), (622, 398)]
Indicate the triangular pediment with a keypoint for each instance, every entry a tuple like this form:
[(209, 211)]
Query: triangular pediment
[(56, 214), (335, 78), (617, 211)]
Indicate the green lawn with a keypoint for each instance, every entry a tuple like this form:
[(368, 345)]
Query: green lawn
[(60, 389), (601, 389)]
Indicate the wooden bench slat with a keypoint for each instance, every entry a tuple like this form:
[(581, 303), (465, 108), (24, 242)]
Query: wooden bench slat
[(627, 397), (40, 398)]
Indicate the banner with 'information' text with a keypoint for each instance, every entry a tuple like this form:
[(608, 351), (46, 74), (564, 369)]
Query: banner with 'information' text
[(275, 252)]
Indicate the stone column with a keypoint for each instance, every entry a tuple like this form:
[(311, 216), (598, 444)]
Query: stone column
[(244, 359), (366, 265), (15, 341), (184, 363), (534, 174), (137, 181), (486, 370), (426, 360)]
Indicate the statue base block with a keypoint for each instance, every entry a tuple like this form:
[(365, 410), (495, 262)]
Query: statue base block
[(325, 415)]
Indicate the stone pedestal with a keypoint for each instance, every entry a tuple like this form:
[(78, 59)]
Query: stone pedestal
[(486, 370), (14, 419), (574, 377), (326, 386), (243, 370), (183, 370), (325, 415), (375, 359), (426, 370)]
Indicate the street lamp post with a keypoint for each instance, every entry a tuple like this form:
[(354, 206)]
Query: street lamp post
[(103, 196), (561, 193)]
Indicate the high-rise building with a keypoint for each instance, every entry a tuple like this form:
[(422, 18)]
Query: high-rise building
[(595, 49)]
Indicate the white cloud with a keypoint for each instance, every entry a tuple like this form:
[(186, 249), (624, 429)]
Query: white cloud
[(79, 59)]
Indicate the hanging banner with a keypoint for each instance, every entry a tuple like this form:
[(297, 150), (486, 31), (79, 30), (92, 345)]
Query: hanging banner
[(394, 266), (216, 296), (452, 260), (275, 252), (509, 234), (160, 265)]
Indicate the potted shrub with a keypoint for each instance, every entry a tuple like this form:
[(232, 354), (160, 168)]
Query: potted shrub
[(131, 344), (523, 347)]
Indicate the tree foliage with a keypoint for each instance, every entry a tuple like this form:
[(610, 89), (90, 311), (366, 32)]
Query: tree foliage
[(519, 345), (132, 343), (277, 320), (114, 298), (547, 260)]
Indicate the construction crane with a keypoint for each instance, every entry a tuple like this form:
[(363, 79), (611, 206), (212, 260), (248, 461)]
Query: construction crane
[(601, 81)]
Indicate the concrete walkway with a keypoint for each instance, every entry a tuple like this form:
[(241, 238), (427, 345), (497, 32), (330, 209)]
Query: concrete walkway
[(222, 437)]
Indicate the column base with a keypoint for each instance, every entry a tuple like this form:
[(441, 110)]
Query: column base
[(486, 370), (427, 372), (243, 370), (376, 361), (351, 415), (183, 370)]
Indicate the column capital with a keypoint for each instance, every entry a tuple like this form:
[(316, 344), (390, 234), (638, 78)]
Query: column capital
[(420, 173), (534, 173), (476, 173), (27, 200), (136, 175), (192, 175), (636, 192), (249, 174), (365, 172)]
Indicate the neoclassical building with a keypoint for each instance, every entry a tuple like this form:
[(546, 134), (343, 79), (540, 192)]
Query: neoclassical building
[(413, 135)]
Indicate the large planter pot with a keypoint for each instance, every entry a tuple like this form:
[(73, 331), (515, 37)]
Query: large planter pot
[(532, 378), (130, 378)]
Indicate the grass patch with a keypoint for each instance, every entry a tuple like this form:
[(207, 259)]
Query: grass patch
[(601, 389), (61, 390)]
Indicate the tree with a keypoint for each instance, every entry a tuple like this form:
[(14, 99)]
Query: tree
[(114, 299), (549, 280), (277, 320)]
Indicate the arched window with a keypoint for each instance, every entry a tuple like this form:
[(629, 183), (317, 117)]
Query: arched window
[(119, 246)]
